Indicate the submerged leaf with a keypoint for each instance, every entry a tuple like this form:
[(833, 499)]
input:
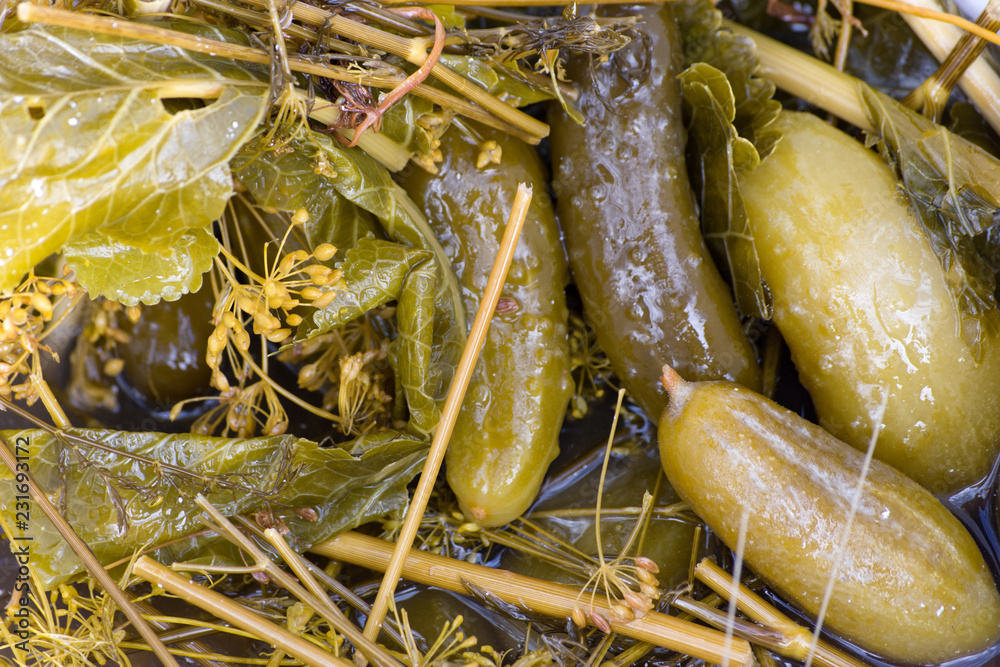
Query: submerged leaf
[(401, 124), (448, 15), (953, 186), (91, 153), (374, 274), (728, 112), (276, 473)]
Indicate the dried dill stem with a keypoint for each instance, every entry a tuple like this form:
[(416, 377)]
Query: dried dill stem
[(87, 557), (844, 38), (799, 640), (539, 596), (321, 605), (414, 51), (222, 607), (452, 406), (122, 27), (892, 5)]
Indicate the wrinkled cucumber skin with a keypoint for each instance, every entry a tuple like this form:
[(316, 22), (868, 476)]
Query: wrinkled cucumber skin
[(508, 429), (861, 301), (912, 585), (648, 284)]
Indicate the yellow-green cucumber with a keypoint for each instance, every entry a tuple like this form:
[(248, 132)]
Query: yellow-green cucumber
[(911, 584)]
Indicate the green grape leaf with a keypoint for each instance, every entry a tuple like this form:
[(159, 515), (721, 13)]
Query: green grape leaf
[(291, 180), (374, 274), (90, 149), (368, 184), (343, 224), (706, 41), (124, 273), (729, 115), (124, 498), (721, 155), (953, 186), (286, 180)]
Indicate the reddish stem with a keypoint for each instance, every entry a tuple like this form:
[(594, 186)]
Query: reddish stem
[(414, 79)]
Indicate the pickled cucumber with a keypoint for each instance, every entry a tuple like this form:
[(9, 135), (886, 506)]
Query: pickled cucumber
[(507, 431), (911, 586), (648, 284), (165, 358), (862, 302)]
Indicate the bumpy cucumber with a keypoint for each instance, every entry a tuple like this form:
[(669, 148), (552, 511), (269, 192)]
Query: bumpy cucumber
[(507, 432), (912, 585), (648, 284)]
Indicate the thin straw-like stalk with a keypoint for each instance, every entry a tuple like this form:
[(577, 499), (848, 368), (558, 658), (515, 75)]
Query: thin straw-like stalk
[(757, 635), (800, 640), (838, 557), (639, 650), (261, 20), (414, 51), (540, 596), (734, 582), (452, 406), (893, 5), (121, 27), (666, 512), (630, 656), (926, 9), (86, 556), (844, 38), (222, 607), (604, 472), (314, 572), (321, 605), (193, 646)]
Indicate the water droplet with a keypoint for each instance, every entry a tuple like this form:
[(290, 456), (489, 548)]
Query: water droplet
[(73, 122), (38, 187)]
